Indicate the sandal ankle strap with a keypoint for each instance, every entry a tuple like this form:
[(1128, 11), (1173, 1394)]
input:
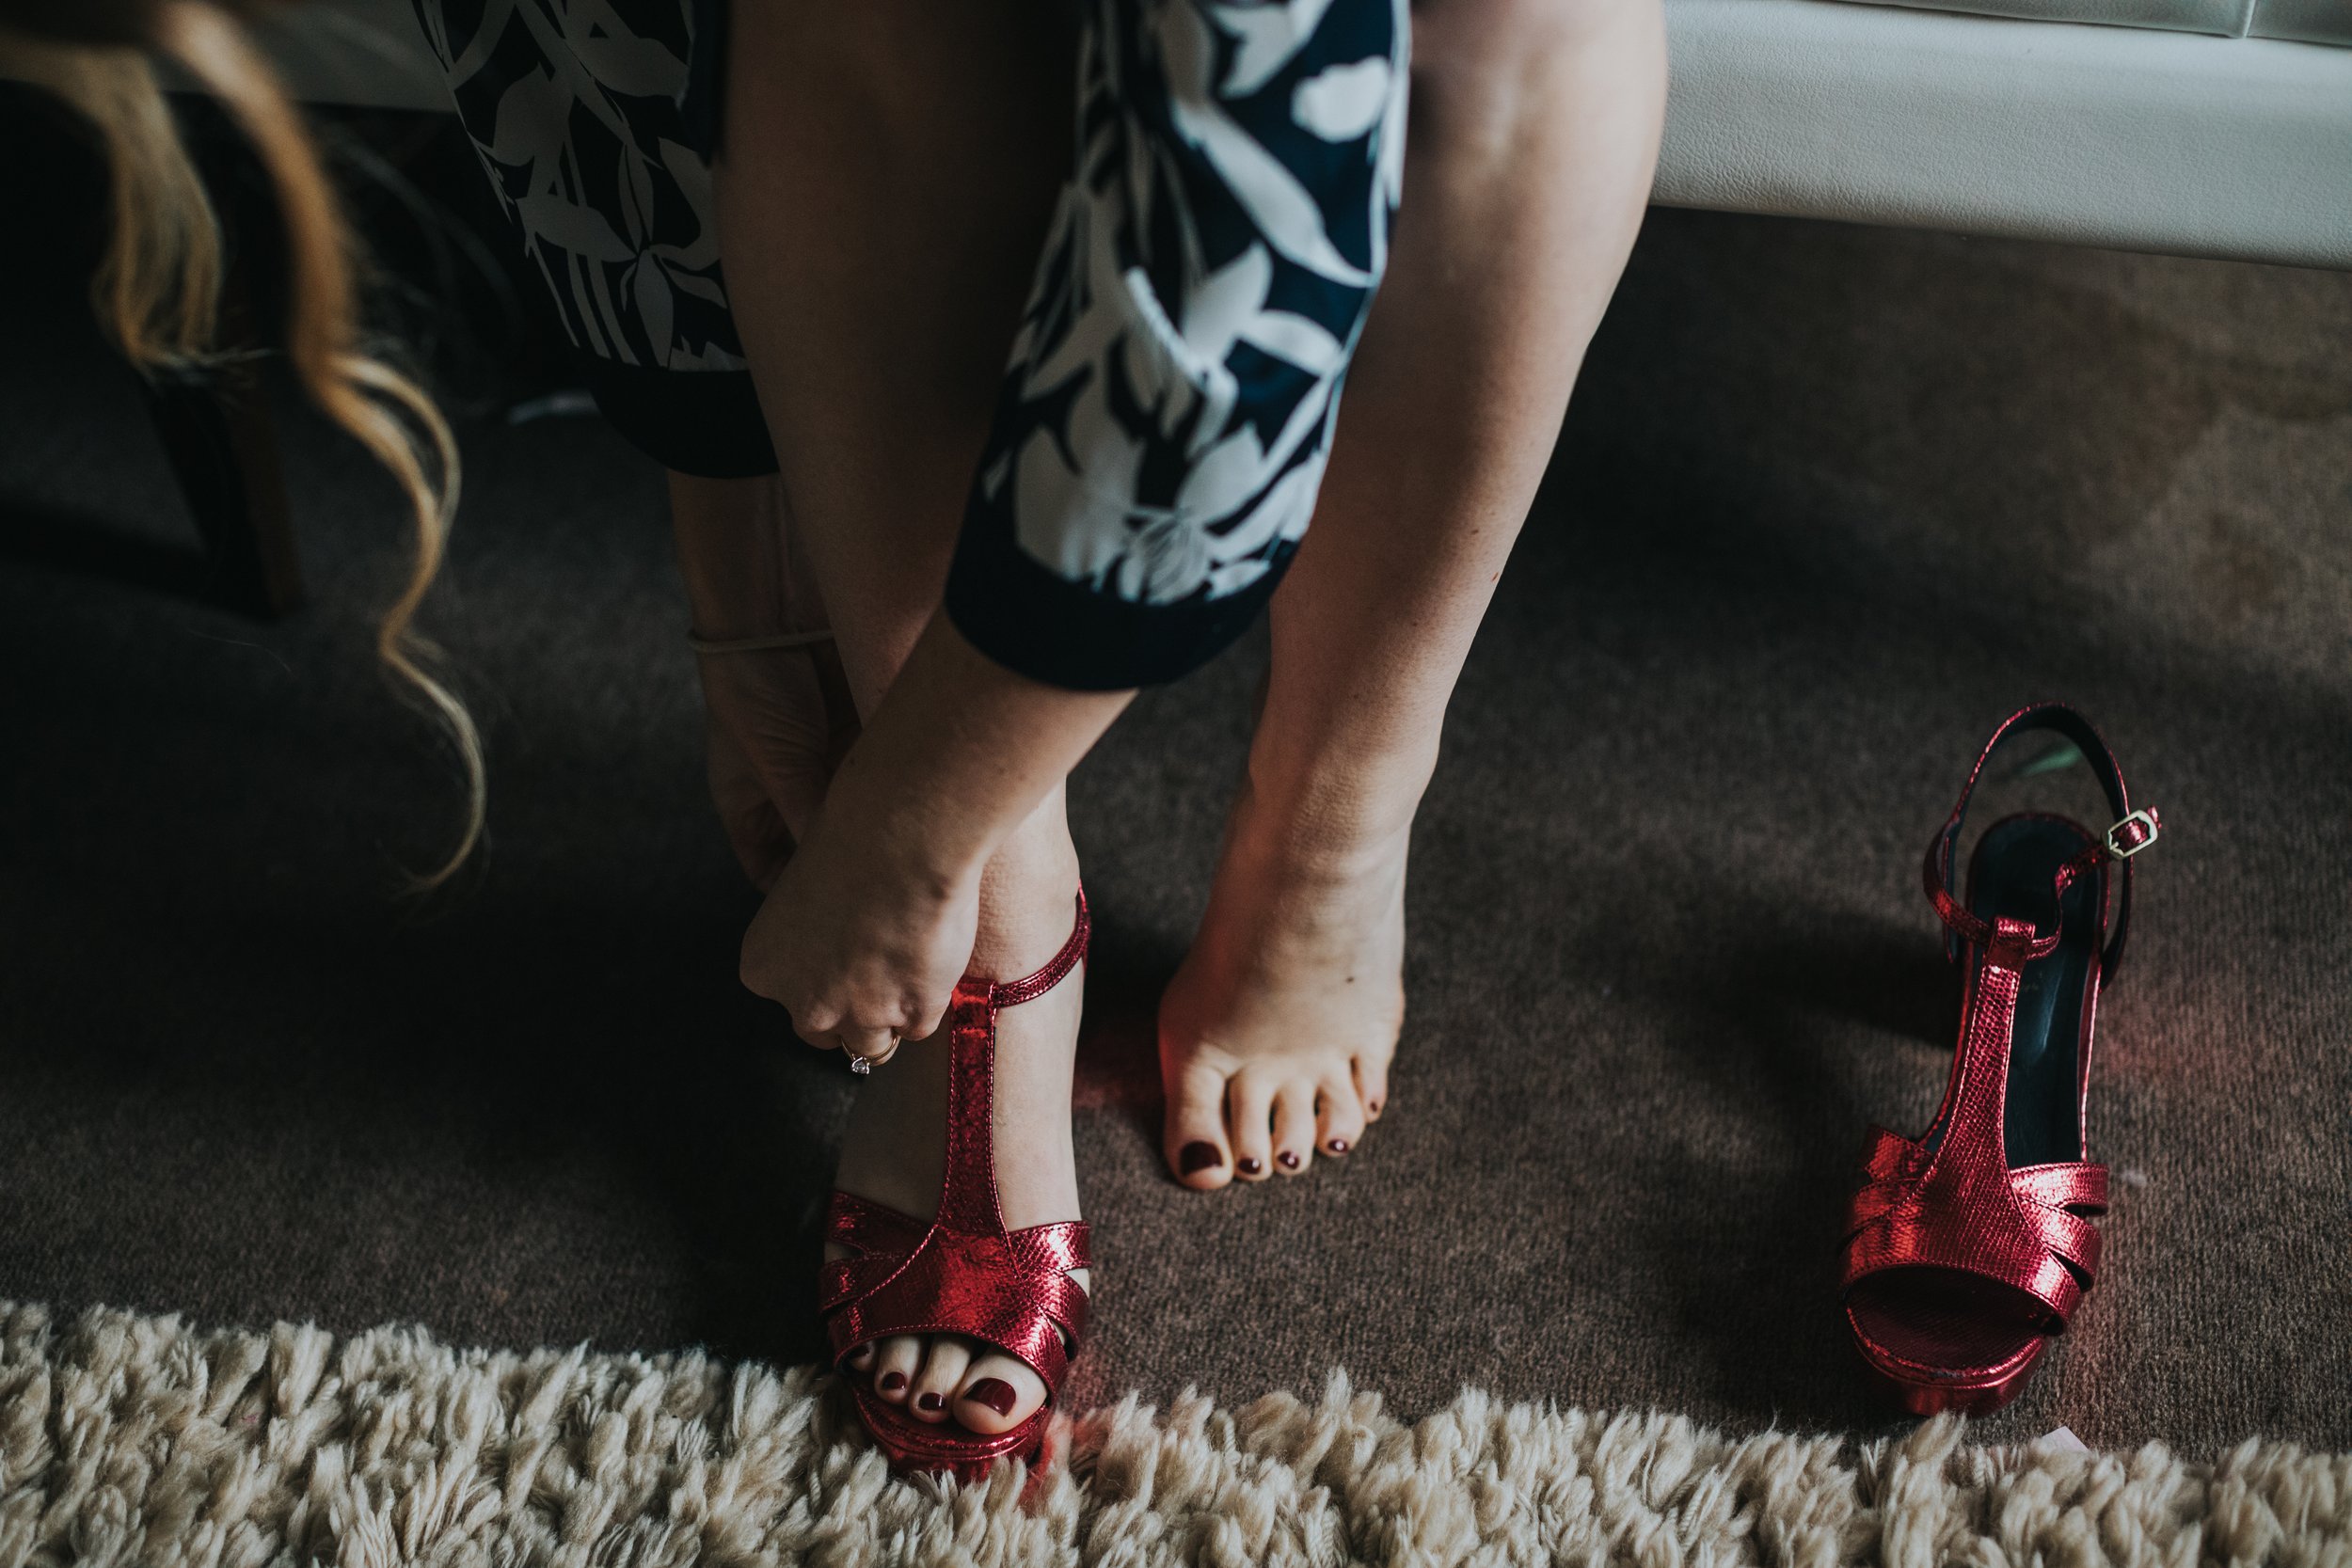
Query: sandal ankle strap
[(2133, 829), (1012, 993)]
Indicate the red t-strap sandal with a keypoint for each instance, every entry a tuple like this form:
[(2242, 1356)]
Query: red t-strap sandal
[(1969, 1246), (962, 1273)]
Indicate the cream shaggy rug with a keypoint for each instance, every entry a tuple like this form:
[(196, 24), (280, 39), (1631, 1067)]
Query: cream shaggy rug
[(137, 1440)]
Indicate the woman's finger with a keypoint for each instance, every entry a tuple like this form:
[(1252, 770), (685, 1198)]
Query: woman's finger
[(823, 1038), (928, 1017), (774, 707), (755, 829), (871, 1047)]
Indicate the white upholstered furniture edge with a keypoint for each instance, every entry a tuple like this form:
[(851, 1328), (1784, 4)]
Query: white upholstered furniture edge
[(2113, 136), (2130, 137)]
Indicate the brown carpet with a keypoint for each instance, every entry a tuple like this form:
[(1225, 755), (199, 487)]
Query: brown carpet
[(1830, 502)]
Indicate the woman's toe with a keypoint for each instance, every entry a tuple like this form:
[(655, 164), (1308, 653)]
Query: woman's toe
[(1371, 1085), (1194, 1129), (860, 1359), (895, 1362), (1294, 1128), (942, 1374), (998, 1394), (1338, 1117), (1249, 1124)]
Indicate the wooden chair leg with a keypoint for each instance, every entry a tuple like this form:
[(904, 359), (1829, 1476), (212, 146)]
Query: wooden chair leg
[(216, 432)]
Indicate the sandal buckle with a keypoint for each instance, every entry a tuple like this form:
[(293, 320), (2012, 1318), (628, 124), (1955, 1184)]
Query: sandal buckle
[(2133, 835)]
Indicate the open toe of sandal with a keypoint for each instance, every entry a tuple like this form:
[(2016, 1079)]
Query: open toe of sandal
[(961, 1272), (1943, 1339)]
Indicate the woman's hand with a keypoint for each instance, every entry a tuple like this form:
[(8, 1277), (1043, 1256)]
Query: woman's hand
[(869, 921), (860, 939), (870, 924), (777, 722)]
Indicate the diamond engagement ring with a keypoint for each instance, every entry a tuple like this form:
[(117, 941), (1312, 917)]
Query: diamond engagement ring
[(865, 1065)]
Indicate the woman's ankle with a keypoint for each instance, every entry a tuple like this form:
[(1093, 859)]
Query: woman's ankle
[(1028, 897), (1331, 818)]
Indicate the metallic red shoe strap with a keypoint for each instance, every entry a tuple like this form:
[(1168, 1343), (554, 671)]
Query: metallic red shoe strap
[(1957, 1205), (2133, 831), (967, 1199), (1012, 993)]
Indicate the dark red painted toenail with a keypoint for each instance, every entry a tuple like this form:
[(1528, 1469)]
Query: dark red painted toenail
[(1199, 1157), (1248, 1164), (893, 1382), (1337, 1145), (1287, 1160), (1374, 1107), (931, 1401), (994, 1392)]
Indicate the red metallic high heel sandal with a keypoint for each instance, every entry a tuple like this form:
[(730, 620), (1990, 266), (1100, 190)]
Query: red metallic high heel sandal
[(1969, 1246), (963, 1272)]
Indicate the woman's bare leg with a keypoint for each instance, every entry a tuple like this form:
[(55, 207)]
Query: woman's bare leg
[(889, 171), (1533, 134)]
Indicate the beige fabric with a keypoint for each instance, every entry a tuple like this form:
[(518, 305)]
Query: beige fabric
[(129, 1439)]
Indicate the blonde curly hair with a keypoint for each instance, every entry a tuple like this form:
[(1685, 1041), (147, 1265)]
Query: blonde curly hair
[(156, 291)]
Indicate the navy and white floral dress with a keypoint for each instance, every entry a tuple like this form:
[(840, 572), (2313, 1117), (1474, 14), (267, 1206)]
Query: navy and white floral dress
[(1161, 431)]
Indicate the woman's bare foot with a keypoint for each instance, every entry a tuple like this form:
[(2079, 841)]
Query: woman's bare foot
[(894, 1153), (1277, 1032)]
